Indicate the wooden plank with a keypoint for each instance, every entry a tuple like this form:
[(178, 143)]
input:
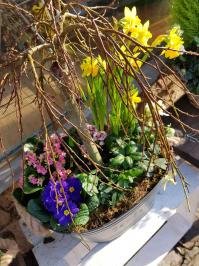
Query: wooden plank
[(189, 148)]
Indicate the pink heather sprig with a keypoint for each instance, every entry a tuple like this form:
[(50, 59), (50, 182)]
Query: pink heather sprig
[(56, 154), (98, 136), (32, 161), (35, 181)]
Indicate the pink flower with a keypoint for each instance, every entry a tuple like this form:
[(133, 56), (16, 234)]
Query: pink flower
[(58, 166), (100, 135), (32, 179), (41, 169), (35, 181), (91, 128), (63, 174)]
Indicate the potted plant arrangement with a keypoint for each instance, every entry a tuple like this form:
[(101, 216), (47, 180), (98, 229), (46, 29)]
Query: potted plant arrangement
[(185, 14), (98, 177)]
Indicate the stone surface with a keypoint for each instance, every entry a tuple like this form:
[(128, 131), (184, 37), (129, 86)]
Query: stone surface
[(186, 252), (173, 259), (5, 218)]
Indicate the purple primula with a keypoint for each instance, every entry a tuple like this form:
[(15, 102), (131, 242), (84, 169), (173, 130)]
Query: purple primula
[(66, 213), (57, 197), (73, 188)]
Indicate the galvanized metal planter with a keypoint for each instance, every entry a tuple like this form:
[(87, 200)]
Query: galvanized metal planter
[(118, 226), (105, 233)]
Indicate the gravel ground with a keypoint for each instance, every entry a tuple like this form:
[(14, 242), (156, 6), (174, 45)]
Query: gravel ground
[(186, 252)]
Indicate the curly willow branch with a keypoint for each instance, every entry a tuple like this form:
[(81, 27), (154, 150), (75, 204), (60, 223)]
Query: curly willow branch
[(66, 39)]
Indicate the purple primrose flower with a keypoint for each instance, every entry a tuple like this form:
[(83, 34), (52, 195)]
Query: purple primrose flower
[(66, 212), (58, 197)]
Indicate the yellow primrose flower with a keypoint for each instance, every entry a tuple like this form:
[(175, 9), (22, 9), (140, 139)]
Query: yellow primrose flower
[(135, 98), (130, 20), (174, 42), (142, 34), (89, 67)]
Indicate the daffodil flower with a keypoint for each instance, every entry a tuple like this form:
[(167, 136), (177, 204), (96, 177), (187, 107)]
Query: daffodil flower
[(142, 34), (132, 58), (130, 20), (90, 67), (175, 42), (135, 98)]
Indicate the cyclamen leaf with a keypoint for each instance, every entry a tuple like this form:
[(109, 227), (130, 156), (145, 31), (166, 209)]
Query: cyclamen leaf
[(82, 216), (128, 162), (136, 156), (118, 160), (130, 149), (93, 203)]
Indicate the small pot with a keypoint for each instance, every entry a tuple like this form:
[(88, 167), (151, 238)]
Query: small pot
[(194, 99), (118, 226)]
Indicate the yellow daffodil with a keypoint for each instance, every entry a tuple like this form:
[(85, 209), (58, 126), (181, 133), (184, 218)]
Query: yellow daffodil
[(142, 34), (89, 67), (174, 42), (130, 20), (135, 98), (132, 58), (158, 40)]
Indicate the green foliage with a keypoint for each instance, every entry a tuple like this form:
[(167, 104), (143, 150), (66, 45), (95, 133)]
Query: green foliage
[(108, 195), (126, 154), (188, 67), (89, 182), (121, 114), (82, 216), (97, 100), (55, 226), (93, 202), (35, 208), (186, 14)]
